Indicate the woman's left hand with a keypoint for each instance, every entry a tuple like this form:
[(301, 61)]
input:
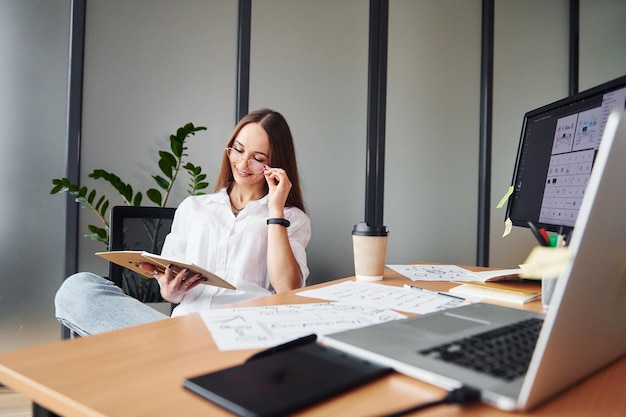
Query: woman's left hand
[(174, 285), (279, 187)]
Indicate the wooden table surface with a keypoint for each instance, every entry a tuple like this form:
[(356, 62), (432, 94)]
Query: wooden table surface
[(139, 372)]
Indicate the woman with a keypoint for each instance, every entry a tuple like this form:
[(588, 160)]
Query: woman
[(253, 232)]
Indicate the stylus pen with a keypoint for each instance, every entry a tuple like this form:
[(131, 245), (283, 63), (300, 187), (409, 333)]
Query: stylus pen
[(412, 287), (285, 346), (542, 240)]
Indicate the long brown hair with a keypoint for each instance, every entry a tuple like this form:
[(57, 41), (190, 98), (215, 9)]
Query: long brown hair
[(282, 152)]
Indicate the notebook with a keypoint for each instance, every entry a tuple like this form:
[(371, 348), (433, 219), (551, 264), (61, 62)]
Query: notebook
[(582, 331)]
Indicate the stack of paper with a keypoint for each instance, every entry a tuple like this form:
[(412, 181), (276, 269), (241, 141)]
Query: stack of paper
[(513, 295)]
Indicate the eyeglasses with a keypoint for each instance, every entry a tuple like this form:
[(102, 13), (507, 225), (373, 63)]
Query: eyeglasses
[(236, 156)]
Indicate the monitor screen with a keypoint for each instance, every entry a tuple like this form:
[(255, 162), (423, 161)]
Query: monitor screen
[(555, 156)]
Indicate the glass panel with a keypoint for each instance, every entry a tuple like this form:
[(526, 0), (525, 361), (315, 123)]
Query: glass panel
[(34, 38)]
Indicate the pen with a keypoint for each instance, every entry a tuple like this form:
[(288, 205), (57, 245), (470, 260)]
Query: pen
[(538, 235), (285, 346), (412, 287)]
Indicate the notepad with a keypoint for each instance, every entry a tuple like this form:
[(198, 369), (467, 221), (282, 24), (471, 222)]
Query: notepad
[(513, 295), (495, 275)]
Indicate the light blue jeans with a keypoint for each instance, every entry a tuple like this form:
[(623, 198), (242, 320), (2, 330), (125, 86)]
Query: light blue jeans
[(88, 304)]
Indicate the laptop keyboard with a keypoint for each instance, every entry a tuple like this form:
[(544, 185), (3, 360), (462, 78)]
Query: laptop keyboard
[(503, 353)]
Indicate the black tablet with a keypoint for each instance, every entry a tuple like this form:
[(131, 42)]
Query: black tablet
[(285, 382)]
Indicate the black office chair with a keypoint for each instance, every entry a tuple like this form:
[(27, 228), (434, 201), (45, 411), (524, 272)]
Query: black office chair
[(138, 228)]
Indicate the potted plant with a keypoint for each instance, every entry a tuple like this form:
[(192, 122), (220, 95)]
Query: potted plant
[(170, 163)]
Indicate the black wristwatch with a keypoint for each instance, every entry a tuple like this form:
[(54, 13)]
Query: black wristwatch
[(282, 222)]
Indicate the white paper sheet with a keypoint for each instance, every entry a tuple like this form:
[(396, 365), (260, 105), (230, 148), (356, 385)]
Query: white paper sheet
[(420, 272), (266, 326), (385, 296)]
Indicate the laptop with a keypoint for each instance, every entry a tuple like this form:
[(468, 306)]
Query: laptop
[(582, 331)]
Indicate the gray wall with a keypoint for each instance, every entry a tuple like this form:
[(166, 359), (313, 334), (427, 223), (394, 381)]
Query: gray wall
[(153, 65), (431, 180)]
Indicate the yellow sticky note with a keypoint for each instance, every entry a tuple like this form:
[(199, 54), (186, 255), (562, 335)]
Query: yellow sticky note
[(544, 262), (508, 225), (506, 197)]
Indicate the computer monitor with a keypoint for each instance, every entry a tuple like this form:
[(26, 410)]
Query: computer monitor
[(557, 148)]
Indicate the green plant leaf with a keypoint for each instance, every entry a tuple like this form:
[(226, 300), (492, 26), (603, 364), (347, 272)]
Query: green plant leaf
[(97, 230), (191, 129), (104, 208), (182, 132), (176, 146), (137, 199), (99, 173), (98, 233), (59, 185), (126, 191), (166, 168), (168, 157), (161, 182), (99, 203), (154, 196)]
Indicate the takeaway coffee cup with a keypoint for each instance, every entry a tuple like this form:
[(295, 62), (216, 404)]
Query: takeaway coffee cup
[(370, 249)]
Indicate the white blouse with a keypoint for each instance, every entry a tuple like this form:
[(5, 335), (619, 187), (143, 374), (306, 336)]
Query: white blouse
[(205, 232)]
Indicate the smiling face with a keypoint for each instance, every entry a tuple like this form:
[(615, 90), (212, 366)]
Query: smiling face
[(252, 143)]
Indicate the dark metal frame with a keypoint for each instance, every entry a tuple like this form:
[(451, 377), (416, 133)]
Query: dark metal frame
[(376, 112), (574, 46), (74, 125), (72, 169), (243, 58), (485, 139)]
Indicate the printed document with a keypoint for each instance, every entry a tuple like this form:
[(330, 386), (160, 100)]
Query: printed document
[(266, 326), (386, 296)]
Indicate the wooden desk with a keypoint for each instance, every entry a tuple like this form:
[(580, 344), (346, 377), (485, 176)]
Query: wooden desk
[(139, 372)]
